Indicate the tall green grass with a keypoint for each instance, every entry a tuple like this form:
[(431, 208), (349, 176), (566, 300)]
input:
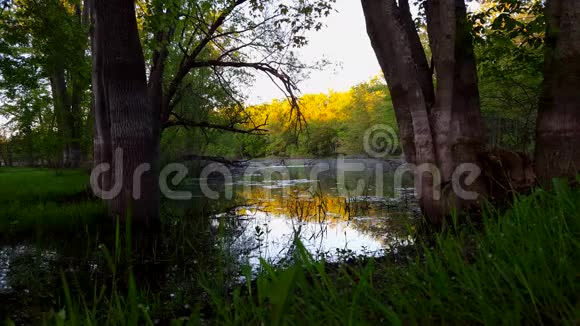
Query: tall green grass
[(119, 298)]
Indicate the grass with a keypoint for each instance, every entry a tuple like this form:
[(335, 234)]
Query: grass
[(37, 184), (35, 198)]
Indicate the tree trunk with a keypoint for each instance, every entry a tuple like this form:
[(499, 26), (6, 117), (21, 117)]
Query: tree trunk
[(458, 129), (558, 126), (122, 110), (67, 109), (102, 148), (9, 161), (77, 86), (440, 128), (61, 110), (74, 115)]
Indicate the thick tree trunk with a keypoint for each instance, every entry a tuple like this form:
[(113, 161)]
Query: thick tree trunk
[(558, 126), (155, 94), (439, 128), (123, 113), (456, 120)]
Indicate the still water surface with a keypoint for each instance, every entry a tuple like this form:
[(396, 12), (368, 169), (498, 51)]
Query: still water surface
[(335, 207)]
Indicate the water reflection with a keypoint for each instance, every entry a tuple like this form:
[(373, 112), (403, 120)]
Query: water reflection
[(16, 262), (332, 211)]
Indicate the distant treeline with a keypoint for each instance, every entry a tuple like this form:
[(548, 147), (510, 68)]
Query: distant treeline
[(326, 125)]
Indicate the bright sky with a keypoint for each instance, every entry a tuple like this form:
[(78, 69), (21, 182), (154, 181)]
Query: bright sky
[(344, 42)]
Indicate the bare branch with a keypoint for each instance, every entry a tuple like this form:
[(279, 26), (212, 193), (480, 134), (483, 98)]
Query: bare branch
[(180, 121), (188, 64)]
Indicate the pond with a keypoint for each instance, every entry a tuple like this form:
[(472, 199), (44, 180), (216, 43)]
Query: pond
[(335, 207)]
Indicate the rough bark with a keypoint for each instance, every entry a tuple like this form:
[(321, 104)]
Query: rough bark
[(122, 110), (456, 119), (442, 126), (381, 36), (392, 45), (102, 148), (558, 125)]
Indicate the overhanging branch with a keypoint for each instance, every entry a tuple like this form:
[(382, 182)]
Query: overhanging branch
[(180, 121)]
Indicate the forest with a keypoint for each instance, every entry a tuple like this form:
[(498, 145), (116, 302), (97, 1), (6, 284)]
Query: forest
[(142, 181)]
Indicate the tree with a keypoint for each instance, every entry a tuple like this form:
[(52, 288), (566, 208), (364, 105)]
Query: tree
[(123, 113), (46, 41), (440, 126), (558, 126), (181, 37), (5, 149)]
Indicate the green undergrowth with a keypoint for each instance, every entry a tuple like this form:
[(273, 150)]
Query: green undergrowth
[(520, 268)]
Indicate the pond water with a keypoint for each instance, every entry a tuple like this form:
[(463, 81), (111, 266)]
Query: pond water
[(335, 207)]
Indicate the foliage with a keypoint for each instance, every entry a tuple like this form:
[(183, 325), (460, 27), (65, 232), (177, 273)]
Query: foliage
[(509, 45), (207, 52), (335, 124), (42, 40), (520, 21)]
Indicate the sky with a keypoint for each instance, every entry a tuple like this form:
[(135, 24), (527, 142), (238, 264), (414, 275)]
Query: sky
[(343, 42)]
